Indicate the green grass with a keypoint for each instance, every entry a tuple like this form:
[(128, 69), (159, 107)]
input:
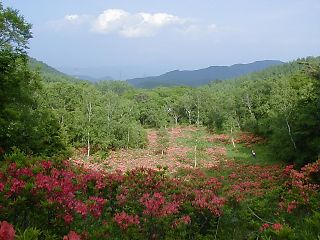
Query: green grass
[(243, 154), (196, 138)]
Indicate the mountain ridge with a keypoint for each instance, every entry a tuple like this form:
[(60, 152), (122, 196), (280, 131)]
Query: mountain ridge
[(193, 78), (202, 76)]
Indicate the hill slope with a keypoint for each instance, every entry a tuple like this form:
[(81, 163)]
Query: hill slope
[(202, 76), (48, 73)]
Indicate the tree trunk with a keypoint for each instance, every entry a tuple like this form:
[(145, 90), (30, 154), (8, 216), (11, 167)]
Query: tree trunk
[(88, 145), (189, 116), (176, 119), (291, 138), (128, 139), (232, 139)]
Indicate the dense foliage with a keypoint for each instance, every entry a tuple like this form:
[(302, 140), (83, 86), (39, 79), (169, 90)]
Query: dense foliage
[(23, 122), (230, 201)]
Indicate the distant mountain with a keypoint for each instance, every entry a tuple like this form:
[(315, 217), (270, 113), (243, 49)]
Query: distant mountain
[(202, 76)]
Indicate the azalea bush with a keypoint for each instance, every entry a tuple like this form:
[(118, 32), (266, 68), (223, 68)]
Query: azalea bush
[(143, 203), (268, 202), (49, 199)]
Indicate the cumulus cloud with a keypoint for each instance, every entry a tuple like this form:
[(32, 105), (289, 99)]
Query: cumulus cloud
[(135, 25), (110, 20)]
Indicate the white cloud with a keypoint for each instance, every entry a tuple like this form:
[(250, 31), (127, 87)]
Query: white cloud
[(72, 21), (110, 20), (161, 19), (134, 25)]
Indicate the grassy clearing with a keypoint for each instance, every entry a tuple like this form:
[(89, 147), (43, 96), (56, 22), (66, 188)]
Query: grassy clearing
[(211, 150), (243, 154)]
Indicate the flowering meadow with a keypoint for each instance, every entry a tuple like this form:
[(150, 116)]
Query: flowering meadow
[(51, 199)]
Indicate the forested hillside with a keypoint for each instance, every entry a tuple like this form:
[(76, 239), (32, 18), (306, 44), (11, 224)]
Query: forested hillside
[(233, 159), (47, 73), (279, 103)]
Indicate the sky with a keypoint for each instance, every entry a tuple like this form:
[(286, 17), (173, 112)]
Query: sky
[(135, 38)]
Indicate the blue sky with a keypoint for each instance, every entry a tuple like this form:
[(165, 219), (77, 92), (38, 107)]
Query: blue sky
[(126, 38)]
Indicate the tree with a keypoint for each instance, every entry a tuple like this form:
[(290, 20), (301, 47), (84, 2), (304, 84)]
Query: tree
[(23, 123), (162, 140), (17, 82), (15, 32)]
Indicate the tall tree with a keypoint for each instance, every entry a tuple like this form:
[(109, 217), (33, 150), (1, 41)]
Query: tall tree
[(23, 123)]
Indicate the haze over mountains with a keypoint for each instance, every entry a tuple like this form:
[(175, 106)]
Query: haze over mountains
[(192, 78), (202, 76)]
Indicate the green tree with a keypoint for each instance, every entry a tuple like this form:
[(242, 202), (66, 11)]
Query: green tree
[(162, 140), (15, 32), (23, 123)]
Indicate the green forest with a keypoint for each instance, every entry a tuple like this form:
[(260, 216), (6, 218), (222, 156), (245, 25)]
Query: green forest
[(48, 117)]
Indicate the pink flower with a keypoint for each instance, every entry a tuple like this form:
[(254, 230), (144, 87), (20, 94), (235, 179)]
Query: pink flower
[(156, 205), (1, 186), (24, 172), (96, 205), (81, 208), (186, 219), (46, 164), (124, 220), (264, 227), (277, 226), (68, 218), (121, 198), (291, 206), (72, 236), (6, 231), (16, 185)]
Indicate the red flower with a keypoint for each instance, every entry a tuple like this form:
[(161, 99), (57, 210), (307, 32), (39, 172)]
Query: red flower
[(157, 206), (81, 208), (277, 226), (186, 219), (96, 205), (68, 218), (124, 220), (46, 164), (16, 185), (121, 199), (264, 227), (6, 231), (72, 236)]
